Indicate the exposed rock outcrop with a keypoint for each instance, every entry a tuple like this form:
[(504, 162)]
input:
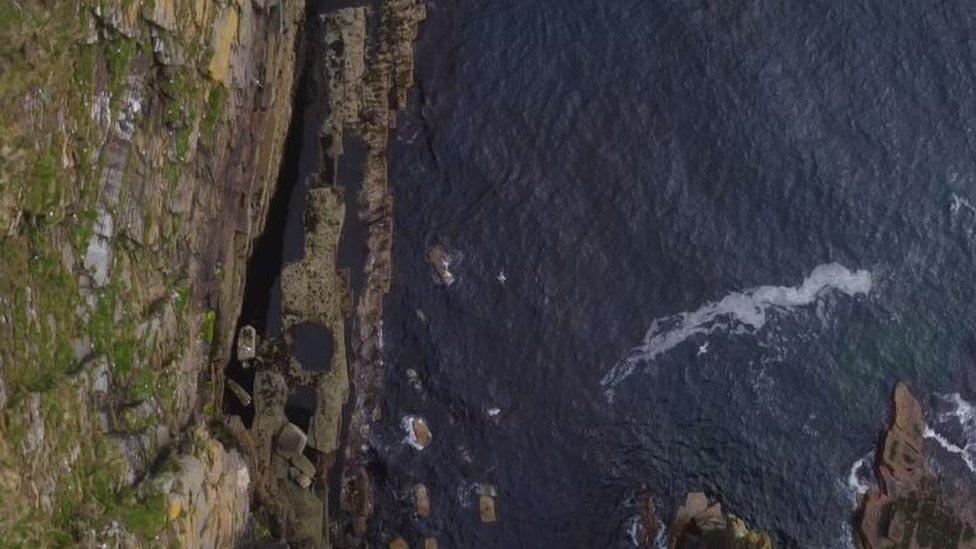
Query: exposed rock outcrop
[(913, 506), (700, 523)]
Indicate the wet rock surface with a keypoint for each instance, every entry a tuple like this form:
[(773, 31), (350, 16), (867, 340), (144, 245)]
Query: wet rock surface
[(914, 506)]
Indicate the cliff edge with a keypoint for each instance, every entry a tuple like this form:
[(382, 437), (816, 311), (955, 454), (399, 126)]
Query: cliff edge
[(139, 146)]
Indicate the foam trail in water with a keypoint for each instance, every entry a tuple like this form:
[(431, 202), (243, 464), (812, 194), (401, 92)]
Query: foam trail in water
[(743, 309), (965, 414), (959, 203)]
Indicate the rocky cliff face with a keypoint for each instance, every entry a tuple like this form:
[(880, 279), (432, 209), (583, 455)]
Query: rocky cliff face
[(914, 506), (139, 146)]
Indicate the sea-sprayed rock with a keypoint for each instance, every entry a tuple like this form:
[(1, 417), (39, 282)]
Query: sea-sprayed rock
[(914, 506)]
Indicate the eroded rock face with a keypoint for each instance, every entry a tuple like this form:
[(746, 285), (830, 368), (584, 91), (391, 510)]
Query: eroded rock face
[(913, 507)]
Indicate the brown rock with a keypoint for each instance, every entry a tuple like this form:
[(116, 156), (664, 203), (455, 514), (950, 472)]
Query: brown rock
[(430, 543), (422, 500), (399, 543), (486, 508), (902, 461), (914, 507)]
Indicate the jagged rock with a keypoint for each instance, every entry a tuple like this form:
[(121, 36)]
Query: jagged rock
[(650, 524), (422, 500), (913, 507), (700, 523), (291, 441)]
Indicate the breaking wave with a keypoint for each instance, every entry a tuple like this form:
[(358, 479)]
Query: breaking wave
[(963, 414), (746, 309)]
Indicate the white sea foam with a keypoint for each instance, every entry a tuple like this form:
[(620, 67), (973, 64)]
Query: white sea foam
[(964, 414), (958, 204), (859, 478), (738, 312)]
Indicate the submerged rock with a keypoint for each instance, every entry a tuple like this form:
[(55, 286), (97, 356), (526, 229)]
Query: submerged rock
[(440, 260)]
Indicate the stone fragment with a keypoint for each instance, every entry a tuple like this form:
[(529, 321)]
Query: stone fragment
[(239, 392), (486, 508), (399, 543), (291, 441), (430, 543), (304, 465), (247, 339), (422, 500)]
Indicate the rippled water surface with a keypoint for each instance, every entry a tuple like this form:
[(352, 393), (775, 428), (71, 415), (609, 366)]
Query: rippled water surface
[(696, 243)]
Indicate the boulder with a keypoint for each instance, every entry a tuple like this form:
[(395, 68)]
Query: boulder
[(291, 441), (486, 509)]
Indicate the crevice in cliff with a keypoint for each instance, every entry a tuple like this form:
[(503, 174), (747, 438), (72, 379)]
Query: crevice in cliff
[(283, 236)]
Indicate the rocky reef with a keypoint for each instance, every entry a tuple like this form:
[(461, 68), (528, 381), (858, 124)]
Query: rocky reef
[(699, 523), (915, 505)]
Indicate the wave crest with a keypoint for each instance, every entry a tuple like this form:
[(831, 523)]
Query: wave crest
[(746, 309)]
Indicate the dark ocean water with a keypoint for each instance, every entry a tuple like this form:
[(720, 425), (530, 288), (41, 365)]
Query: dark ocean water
[(763, 208)]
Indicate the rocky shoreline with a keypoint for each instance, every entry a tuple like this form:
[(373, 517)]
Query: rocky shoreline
[(136, 411), (915, 505)]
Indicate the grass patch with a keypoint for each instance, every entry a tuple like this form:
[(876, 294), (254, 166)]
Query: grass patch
[(209, 326), (211, 118)]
